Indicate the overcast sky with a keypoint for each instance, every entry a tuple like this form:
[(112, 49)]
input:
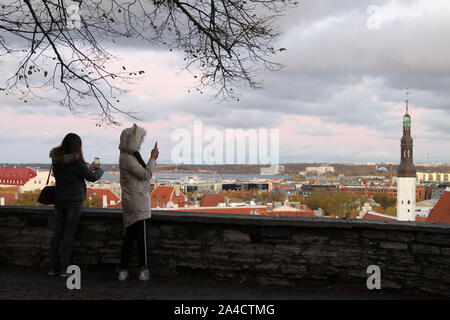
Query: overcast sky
[(340, 97)]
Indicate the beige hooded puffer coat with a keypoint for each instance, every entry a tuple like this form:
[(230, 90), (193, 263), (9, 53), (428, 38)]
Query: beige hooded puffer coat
[(134, 178)]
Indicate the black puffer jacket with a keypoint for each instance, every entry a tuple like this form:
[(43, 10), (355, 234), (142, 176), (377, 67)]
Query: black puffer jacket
[(70, 172)]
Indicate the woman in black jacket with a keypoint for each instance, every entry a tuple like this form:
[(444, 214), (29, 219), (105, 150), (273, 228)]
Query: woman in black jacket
[(70, 171)]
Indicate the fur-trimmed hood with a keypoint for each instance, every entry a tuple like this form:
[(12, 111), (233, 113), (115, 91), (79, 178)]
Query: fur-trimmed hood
[(59, 157), (131, 139)]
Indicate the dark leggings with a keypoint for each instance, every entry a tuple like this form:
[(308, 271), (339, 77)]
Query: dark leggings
[(67, 220), (136, 231)]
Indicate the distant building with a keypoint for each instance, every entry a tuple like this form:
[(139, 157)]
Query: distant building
[(370, 191), (423, 209), (422, 212), (286, 189), (436, 193), (432, 177), (272, 170), (319, 170), (8, 195), (39, 181), (259, 185), (319, 213), (307, 189), (25, 178)]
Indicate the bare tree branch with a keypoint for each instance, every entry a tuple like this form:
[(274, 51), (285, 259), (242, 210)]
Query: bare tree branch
[(59, 45)]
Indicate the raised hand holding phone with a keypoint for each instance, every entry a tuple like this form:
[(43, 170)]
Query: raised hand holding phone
[(95, 164), (155, 152)]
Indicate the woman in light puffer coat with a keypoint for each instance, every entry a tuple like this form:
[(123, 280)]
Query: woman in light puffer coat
[(135, 177)]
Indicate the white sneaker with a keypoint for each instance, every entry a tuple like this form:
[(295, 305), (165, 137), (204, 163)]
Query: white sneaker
[(123, 275), (144, 275)]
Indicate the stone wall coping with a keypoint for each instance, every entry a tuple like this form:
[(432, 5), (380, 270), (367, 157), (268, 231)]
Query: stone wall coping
[(236, 219)]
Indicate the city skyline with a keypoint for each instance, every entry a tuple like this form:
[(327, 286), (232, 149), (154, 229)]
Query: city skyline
[(340, 97)]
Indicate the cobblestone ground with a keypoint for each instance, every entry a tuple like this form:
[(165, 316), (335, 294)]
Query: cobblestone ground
[(19, 283)]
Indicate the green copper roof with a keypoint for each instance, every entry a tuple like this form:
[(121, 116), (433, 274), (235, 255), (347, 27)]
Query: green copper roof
[(406, 120)]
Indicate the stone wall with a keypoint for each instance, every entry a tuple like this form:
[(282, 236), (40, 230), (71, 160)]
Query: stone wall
[(266, 250)]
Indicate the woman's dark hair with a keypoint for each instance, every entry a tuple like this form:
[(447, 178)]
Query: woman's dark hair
[(71, 144)]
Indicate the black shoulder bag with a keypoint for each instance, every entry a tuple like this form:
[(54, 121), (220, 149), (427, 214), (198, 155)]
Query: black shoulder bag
[(47, 195)]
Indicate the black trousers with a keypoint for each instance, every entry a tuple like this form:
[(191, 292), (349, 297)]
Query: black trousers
[(138, 232), (66, 226)]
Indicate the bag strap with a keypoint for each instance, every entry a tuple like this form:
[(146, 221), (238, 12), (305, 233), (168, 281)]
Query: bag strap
[(138, 157), (48, 179)]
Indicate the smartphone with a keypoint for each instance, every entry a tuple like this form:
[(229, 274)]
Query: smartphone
[(97, 161)]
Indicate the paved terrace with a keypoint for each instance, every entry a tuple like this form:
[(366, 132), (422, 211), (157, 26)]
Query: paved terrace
[(220, 256), (30, 283)]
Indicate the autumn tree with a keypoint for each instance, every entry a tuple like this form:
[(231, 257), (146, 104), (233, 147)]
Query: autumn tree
[(296, 198), (330, 175), (263, 196), (335, 203), (277, 195), (392, 211), (59, 46), (242, 196), (28, 198), (299, 178), (93, 201), (384, 199)]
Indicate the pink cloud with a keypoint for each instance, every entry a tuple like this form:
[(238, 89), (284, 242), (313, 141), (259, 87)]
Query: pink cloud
[(163, 77)]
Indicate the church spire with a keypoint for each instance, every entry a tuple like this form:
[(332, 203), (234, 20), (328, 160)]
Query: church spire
[(406, 168), (406, 173)]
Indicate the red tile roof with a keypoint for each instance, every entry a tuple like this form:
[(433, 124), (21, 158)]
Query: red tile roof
[(163, 194), (378, 216), (283, 186), (230, 210), (212, 199), (99, 193), (441, 211), (16, 176)]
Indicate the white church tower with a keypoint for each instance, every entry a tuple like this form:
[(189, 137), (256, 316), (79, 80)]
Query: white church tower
[(406, 174)]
